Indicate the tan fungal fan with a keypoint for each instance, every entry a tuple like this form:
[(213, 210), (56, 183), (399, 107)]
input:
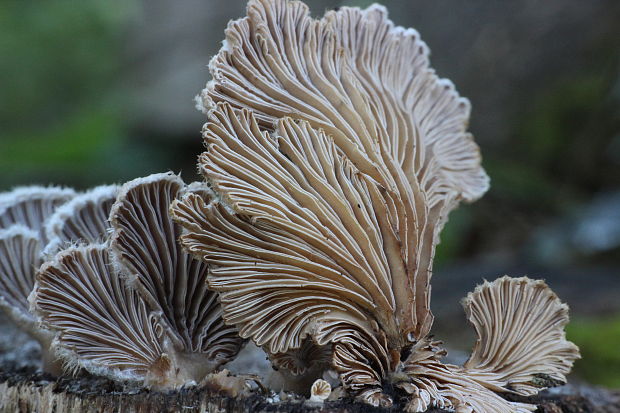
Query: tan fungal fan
[(335, 154), (136, 307), (103, 325), (521, 343), (145, 241), (20, 249), (23, 213)]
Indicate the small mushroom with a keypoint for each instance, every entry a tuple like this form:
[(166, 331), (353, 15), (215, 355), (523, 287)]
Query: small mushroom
[(31, 206), (23, 213), (104, 327), (145, 243), (320, 391), (521, 345)]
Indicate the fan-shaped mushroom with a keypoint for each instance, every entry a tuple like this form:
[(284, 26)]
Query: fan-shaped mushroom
[(336, 154), (103, 326), (521, 343), (137, 306), (320, 391)]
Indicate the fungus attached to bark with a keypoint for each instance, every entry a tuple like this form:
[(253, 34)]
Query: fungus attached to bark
[(136, 307), (336, 154)]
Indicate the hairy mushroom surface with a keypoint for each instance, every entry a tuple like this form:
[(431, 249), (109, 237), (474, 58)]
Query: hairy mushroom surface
[(136, 306), (336, 154), (20, 248)]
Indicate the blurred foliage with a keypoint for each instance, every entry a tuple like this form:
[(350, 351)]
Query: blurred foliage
[(599, 342), (60, 108), (561, 155)]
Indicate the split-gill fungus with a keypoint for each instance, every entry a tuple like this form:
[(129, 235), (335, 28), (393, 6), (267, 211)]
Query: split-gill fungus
[(133, 306), (335, 154), (334, 157)]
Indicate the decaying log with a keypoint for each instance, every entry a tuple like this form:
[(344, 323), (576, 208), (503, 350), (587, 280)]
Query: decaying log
[(24, 391)]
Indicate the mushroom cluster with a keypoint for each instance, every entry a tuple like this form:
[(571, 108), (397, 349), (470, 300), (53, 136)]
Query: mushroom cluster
[(335, 154), (112, 292), (334, 157)]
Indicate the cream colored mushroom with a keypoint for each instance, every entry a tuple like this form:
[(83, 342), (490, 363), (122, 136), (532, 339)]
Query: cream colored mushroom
[(336, 154), (521, 344), (145, 243), (103, 326), (320, 391)]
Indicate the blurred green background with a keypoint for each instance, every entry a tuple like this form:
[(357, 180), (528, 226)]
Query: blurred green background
[(102, 91)]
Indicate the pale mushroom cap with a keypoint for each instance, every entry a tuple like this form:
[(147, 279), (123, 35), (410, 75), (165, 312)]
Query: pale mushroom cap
[(335, 154), (23, 213), (521, 342), (20, 248)]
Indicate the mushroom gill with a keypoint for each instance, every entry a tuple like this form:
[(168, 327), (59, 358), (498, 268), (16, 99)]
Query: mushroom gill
[(145, 243), (521, 344), (135, 306), (368, 85), (103, 326), (335, 155), (31, 206)]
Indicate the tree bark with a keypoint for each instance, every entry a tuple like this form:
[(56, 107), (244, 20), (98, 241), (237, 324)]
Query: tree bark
[(36, 392)]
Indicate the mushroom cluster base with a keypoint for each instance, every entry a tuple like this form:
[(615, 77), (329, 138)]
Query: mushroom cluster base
[(24, 390)]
